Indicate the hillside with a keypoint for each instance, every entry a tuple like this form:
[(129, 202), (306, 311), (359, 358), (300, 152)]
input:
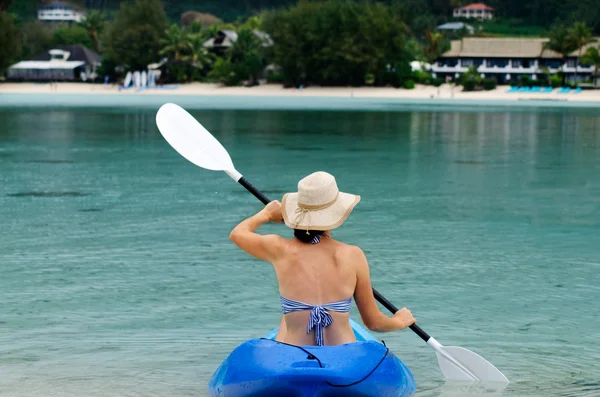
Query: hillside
[(517, 15)]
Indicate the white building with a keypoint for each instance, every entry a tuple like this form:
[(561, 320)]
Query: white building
[(57, 11), (456, 27), (506, 59), (65, 63), (476, 10)]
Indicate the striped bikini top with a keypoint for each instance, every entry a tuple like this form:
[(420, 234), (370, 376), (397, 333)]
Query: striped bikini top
[(319, 318)]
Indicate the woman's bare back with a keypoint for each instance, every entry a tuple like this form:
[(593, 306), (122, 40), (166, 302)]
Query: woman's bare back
[(315, 274)]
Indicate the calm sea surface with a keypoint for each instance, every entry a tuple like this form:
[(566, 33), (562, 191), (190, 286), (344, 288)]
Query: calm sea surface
[(117, 277)]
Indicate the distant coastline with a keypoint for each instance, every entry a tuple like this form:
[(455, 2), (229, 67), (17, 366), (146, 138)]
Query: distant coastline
[(213, 95)]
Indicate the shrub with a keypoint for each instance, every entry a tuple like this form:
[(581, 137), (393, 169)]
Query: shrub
[(524, 81), (489, 84), (409, 84), (275, 77), (469, 84), (224, 72), (555, 81), (420, 76), (436, 82)]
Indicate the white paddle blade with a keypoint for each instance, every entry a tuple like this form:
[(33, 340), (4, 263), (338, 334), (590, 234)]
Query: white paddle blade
[(457, 363), (191, 139)]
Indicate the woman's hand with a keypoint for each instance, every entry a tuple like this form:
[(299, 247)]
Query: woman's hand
[(404, 318), (273, 211)]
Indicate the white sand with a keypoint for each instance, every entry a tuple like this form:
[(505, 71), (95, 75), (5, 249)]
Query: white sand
[(205, 89)]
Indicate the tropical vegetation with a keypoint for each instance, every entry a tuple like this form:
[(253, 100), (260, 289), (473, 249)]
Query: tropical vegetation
[(321, 42)]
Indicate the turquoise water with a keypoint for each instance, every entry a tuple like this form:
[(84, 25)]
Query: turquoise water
[(117, 277)]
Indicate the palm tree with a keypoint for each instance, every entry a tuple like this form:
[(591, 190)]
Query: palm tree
[(199, 55), (176, 44), (248, 53), (433, 46), (94, 23), (592, 57), (580, 35), (561, 43)]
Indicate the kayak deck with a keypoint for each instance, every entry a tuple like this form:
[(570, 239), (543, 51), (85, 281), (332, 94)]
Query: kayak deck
[(264, 367)]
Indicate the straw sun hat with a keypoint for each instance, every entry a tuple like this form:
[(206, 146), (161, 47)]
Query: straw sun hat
[(318, 204)]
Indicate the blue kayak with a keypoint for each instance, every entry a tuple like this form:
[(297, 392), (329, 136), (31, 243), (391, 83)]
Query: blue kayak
[(264, 367)]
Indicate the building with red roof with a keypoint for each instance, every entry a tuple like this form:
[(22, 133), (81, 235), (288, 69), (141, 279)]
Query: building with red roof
[(476, 10)]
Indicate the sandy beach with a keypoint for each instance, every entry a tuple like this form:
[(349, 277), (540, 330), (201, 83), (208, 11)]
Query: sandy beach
[(447, 92)]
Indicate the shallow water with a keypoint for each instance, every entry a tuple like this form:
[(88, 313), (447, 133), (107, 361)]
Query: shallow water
[(117, 277)]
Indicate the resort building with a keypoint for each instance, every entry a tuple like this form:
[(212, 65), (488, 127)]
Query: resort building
[(58, 11), (63, 63), (456, 27), (225, 39), (506, 59), (476, 10)]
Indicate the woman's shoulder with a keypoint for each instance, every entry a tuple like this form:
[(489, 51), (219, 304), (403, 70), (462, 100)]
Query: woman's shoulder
[(348, 250)]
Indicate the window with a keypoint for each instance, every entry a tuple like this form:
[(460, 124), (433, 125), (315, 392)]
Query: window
[(522, 63), (497, 62), (472, 61)]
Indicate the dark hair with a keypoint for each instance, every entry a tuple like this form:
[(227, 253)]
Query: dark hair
[(307, 236)]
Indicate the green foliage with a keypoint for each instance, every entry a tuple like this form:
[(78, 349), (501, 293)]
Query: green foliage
[(471, 80), (469, 85), (555, 81), (509, 27), (489, 84), (436, 82), (525, 81), (176, 43), (25, 10), (134, 36), (36, 37), (71, 35), (592, 57), (560, 41), (94, 24), (336, 43), (224, 72), (275, 77), (409, 85), (10, 45), (421, 77), (247, 55), (434, 46)]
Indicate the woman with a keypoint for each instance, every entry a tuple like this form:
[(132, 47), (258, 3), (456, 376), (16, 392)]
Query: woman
[(318, 276)]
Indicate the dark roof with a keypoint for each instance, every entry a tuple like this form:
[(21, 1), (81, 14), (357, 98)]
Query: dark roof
[(78, 53), (56, 4)]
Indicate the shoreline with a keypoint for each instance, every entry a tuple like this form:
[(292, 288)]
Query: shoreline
[(272, 96)]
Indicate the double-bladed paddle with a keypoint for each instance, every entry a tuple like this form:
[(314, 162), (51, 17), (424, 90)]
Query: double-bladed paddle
[(188, 137)]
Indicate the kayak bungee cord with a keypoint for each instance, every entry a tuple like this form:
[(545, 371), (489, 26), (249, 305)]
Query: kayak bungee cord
[(312, 356)]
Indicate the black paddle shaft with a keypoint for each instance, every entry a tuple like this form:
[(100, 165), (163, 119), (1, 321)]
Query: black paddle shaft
[(380, 298)]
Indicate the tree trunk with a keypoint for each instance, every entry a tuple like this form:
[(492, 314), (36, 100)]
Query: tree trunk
[(577, 64), (564, 75)]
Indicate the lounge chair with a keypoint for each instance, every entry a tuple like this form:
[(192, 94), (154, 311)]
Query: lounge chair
[(513, 89), (547, 89), (536, 89), (524, 89), (577, 90), (564, 90)]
